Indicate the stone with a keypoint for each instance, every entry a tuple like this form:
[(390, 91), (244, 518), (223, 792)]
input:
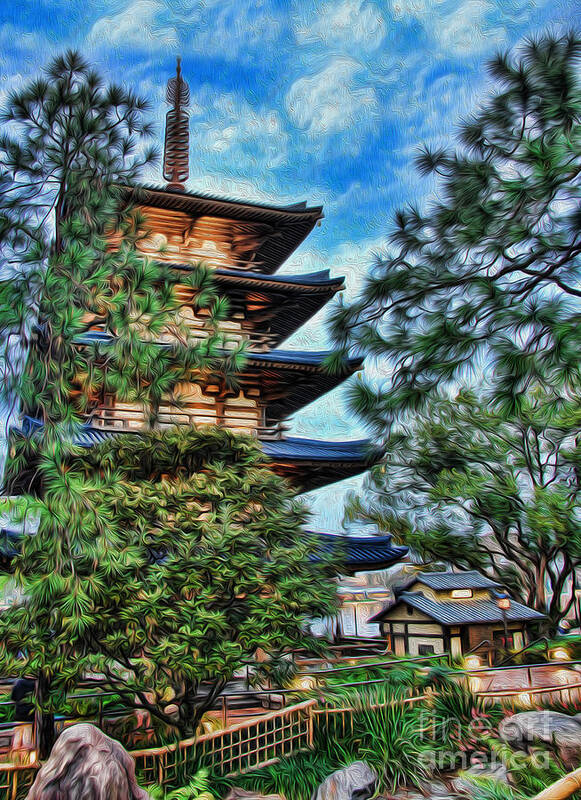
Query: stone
[(496, 771), (86, 764), (552, 728), (241, 794), (358, 781)]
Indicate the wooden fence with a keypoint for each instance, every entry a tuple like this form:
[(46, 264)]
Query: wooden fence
[(16, 780), (525, 698), (264, 739), (247, 745)]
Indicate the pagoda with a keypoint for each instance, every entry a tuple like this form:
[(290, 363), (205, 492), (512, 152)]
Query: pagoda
[(245, 244)]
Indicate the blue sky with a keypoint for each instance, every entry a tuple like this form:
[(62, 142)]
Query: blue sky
[(319, 101)]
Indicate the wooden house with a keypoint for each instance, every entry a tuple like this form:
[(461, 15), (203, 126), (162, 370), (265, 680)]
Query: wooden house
[(457, 613)]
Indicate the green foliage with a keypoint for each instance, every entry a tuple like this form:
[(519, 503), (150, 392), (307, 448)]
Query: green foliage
[(197, 789), (490, 789), (486, 277), (202, 560), (466, 485), (529, 774), (460, 724), (295, 777), (70, 148)]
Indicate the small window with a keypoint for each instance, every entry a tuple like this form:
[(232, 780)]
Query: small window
[(410, 611), (461, 594), (426, 650)]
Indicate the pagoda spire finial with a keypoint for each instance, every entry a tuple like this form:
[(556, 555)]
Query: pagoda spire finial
[(177, 134)]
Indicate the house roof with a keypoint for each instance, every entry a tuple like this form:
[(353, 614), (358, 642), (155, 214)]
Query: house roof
[(461, 613), (286, 226), (471, 579)]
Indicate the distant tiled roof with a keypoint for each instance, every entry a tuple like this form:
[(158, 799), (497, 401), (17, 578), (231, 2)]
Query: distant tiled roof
[(363, 552), (359, 553), (462, 612), (471, 579)]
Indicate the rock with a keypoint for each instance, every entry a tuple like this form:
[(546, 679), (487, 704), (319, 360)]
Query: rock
[(496, 771), (241, 794), (549, 727), (355, 782), (86, 764)]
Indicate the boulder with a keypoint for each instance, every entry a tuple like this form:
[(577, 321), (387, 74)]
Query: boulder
[(355, 782), (548, 727), (463, 783), (86, 764), (241, 794)]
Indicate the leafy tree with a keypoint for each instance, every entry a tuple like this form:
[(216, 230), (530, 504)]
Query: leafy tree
[(486, 278), (475, 489), (71, 143), (199, 559)]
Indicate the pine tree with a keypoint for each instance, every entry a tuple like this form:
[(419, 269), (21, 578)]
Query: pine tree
[(485, 280), (72, 145)]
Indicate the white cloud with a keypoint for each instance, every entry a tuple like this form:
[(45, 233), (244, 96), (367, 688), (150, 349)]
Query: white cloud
[(348, 24), (333, 100), (228, 29), (414, 8), (464, 27), (230, 136), (139, 26)]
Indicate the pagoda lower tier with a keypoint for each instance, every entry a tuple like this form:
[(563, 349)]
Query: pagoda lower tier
[(270, 387), (306, 463), (358, 553)]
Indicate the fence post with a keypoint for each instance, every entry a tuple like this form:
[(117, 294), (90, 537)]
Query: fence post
[(310, 728)]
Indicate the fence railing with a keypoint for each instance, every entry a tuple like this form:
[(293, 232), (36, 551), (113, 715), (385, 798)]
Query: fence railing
[(16, 780), (234, 750), (265, 738)]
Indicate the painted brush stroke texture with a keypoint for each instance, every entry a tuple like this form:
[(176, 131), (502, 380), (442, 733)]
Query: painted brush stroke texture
[(325, 102)]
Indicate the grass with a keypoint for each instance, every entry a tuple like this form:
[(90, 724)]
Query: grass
[(295, 777)]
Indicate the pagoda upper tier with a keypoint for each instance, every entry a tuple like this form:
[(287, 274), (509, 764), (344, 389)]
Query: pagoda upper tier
[(228, 234), (243, 244)]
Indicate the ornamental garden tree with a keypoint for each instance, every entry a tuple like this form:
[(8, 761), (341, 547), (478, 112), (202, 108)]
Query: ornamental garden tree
[(465, 485), (192, 556), (481, 289)]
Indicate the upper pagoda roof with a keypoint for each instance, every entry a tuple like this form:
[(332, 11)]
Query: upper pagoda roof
[(288, 225)]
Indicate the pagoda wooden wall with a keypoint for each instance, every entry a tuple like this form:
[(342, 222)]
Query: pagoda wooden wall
[(242, 413), (177, 237)]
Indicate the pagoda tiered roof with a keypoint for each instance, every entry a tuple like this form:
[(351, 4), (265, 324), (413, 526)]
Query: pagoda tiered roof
[(277, 230), (289, 379), (286, 302), (307, 463)]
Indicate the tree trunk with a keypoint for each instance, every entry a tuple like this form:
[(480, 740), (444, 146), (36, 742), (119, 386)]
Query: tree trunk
[(43, 721)]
